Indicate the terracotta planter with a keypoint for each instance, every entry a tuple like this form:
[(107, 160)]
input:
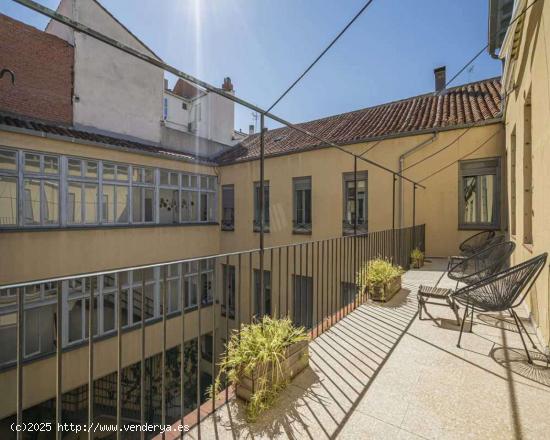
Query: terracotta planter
[(296, 360), (384, 292)]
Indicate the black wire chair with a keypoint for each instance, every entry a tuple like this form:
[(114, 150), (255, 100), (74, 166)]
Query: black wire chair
[(501, 292), (487, 262), (467, 270), (476, 242)]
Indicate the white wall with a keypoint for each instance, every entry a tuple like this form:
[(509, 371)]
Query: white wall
[(113, 91)]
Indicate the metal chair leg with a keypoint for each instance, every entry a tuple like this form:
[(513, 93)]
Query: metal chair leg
[(525, 330), (462, 325), (529, 360)]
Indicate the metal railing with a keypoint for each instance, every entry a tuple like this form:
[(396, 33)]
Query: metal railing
[(313, 283)]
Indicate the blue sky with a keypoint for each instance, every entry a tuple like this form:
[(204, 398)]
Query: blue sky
[(389, 53)]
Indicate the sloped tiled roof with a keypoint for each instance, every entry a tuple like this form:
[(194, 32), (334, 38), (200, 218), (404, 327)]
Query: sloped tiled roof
[(458, 106), (48, 128)]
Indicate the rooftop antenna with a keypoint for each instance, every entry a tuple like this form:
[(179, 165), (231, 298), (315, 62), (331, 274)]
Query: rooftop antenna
[(255, 119), (470, 70)]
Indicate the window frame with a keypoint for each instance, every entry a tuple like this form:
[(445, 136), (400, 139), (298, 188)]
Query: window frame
[(256, 207), (347, 228), (63, 180), (302, 227), (230, 224), (478, 172)]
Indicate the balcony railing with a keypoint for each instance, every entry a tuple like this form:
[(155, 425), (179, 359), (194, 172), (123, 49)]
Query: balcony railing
[(179, 343)]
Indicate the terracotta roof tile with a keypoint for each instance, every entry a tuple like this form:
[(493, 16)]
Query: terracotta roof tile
[(467, 104)]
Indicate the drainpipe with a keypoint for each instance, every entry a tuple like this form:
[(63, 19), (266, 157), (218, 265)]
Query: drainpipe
[(401, 166)]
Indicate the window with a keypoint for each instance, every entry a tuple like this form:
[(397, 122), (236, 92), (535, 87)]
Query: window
[(527, 174), (115, 203), (352, 213), (302, 204), (302, 315), (45, 190), (8, 188), (82, 192), (191, 282), (228, 293), (257, 293), (41, 189), (257, 206), (513, 185), (208, 199), (143, 195), (228, 207), (165, 109), (189, 198), (479, 193), (172, 286), (169, 197)]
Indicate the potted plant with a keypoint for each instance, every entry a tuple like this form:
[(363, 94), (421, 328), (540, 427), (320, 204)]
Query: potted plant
[(417, 258), (380, 279), (261, 360)]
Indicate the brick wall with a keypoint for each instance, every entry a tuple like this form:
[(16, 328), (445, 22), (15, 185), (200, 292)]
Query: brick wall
[(43, 67)]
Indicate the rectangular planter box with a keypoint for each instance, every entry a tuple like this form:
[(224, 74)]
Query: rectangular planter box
[(296, 360), (384, 292)]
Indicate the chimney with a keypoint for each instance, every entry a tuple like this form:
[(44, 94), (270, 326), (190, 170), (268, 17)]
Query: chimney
[(227, 86), (251, 129), (440, 78)]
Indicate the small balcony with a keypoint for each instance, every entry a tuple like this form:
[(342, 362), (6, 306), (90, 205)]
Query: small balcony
[(380, 372)]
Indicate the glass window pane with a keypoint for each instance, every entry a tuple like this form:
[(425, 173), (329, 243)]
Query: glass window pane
[(168, 205), (204, 182), (32, 202), (109, 312), (185, 180), (164, 177), (122, 173), (137, 194), (51, 201), (51, 165), (32, 331), (149, 175), (32, 163), (108, 203), (75, 320), (469, 190), (121, 213), (74, 166), (8, 160), (74, 203), (194, 181), (109, 171), (149, 204), (137, 174), (91, 197), (91, 169), (174, 179), (486, 193), (8, 200), (212, 183), (204, 207), (189, 206)]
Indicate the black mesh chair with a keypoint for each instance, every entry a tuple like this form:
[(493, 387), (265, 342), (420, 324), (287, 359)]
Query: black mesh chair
[(487, 262), (501, 292), (467, 270), (476, 242)]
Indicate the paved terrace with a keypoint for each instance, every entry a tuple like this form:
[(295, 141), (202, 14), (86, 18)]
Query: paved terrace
[(381, 373)]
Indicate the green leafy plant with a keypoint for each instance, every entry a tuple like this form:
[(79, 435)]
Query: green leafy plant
[(377, 272), (259, 351), (417, 257)]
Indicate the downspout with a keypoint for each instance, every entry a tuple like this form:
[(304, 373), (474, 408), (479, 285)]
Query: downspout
[(401, 166)]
